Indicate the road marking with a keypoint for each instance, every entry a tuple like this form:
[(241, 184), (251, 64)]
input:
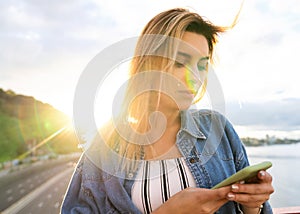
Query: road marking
[(20, 204)]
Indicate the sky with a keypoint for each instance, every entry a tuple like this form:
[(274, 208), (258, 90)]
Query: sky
[(46, 45)]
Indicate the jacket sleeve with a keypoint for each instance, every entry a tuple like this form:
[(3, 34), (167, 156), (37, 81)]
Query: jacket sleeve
[(242, 158), (79, 197)]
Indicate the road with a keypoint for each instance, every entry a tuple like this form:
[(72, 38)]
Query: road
[(38, 188)]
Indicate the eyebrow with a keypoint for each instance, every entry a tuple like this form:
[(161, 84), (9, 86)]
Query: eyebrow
[(204, 58), (187, 56)]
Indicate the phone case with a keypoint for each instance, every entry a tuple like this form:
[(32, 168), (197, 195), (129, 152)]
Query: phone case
[(244, 174)]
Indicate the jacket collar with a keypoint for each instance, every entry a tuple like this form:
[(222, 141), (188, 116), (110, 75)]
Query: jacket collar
[(189, 125)]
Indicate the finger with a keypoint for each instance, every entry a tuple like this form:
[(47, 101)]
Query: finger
[(209, 194), (220, 193), (260, 188), (249, 200), (261, 176), (264, 176), (202, 194)]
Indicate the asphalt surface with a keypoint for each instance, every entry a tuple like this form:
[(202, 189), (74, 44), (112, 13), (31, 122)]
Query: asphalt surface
[(36, 188)]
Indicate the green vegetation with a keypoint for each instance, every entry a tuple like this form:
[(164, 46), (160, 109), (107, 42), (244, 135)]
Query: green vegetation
[(25, 122)]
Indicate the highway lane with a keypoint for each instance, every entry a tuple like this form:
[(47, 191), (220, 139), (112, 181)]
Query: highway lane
[(49, 201), (38, 188)]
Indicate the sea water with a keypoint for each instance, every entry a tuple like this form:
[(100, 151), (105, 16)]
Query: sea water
[(285, 171)]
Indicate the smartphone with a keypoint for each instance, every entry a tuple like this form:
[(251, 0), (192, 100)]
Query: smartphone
[(244, 174)]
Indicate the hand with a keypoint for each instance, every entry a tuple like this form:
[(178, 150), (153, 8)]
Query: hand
[(253, 193), (195, 200)]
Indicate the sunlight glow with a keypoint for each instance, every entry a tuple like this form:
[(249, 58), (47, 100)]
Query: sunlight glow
[(254, 62), (107, 91)]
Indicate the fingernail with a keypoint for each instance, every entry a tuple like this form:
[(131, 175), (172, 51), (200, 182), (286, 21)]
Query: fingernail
[(230, 196), (242, 182), (262, 173), (234, 187)]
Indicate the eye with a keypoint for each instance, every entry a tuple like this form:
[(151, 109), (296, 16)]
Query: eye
[(179, 64), (202, 66)]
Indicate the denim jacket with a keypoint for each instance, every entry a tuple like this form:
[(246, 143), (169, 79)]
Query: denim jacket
[(206, 140)]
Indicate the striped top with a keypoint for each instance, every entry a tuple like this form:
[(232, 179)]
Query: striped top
[(158, 180)]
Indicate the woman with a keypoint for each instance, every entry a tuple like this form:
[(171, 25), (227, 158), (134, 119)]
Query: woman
[(157, 155)]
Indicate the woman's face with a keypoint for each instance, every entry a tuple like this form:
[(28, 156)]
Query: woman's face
[(189, 70)]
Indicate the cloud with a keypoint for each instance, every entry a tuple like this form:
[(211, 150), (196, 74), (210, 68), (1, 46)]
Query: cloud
[(270, 39), (44, 43), (48, 43), (259, 57), (273, 115), (70, 26)]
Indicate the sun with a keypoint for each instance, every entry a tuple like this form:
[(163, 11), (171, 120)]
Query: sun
[(110, 91)]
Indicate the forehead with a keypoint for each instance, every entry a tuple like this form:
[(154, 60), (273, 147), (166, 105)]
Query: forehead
[(194, 44)]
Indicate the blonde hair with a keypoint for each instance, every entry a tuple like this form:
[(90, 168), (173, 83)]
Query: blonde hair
[(152, 42)]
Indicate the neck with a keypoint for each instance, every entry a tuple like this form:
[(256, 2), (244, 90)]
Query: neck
[(165, 147), (172, 117)]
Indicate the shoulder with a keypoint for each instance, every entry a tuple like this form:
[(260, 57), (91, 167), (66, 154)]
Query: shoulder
[(89, 171), (220, 132), (212, 121), (208, 117), (93, 163), (205, 113)]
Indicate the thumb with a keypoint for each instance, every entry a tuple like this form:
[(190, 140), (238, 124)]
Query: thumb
[(264, 176)]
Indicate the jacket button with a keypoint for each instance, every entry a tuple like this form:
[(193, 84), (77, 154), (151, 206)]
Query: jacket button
[(194, 160)]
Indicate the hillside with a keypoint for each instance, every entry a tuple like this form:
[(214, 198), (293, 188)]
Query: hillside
[(25, 121)]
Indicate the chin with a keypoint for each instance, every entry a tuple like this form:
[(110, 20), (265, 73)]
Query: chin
[(185, 105)]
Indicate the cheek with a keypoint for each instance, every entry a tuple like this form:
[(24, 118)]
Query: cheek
[(190, 81), (186, 77), (179, 73), (194, 82)]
